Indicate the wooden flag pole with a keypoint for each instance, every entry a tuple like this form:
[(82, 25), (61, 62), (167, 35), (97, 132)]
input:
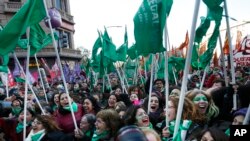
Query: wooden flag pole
[(186, 69), (38, 69), (60, 65)]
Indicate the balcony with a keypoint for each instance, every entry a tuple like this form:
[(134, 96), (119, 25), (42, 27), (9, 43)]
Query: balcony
[(66, 17), (50, 52), (12, 7)]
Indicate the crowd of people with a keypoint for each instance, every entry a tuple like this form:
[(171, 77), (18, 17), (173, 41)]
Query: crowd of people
[(105, 114)]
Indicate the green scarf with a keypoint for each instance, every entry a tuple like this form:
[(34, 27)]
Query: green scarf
[(74, 107), (227, 132), (37, 136), (181, 128), (96, 136), (19, 127), (16, 110), (55, 107)]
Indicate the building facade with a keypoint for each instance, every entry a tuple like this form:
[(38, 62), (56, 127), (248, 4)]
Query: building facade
[(69, 53)]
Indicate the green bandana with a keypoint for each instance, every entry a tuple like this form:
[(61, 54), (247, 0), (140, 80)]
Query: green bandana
[(74, 107), (19, 127), (96, 136), (227, 132), (37, 135), (199, 98), (16, 110)]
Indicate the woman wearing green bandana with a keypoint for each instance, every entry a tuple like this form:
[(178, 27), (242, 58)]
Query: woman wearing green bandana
[(136, 115), (204, 104), (16, 107), (13, 127), (63, 114), (107, 124), (44, 128)]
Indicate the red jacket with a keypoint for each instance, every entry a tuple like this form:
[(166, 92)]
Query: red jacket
[(65, 121)]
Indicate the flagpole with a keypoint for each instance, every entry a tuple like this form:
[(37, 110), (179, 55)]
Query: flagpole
[(223, 62), (151, 82), (122, 83), (186, 69), (38, 69), (173, 70), (230, 44), (167, 43), (204, 76), (60, 65), (30, 87)]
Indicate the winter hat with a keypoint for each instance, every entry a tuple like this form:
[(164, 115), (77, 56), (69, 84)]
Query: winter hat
[(242, 111), (130, 133)]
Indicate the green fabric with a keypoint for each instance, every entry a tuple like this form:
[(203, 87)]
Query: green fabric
[(214, 14), (181, 128), (108, 48), (74, 107), (96, 136), (227, 132), (37, 135), (19, 80), (38, 39), (4, 66), (19, 127), (96, 58), (132, 52), (149, 22), (16, 110), (30, 13), (122, 50)]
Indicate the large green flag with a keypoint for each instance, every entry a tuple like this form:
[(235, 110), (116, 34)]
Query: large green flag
[(38, 39), (132, 52), (31, 12), (97, 45), (108, 48), (149, 22), (122, 50), (5, 59), (214, 14)]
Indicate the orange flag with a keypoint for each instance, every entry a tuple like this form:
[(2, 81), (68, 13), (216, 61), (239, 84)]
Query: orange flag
[(226, 45), (185, 43), (238, 42), (216, 59), (203, 48)]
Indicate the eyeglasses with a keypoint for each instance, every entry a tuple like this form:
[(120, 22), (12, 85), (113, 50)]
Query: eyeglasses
[(36, 122)]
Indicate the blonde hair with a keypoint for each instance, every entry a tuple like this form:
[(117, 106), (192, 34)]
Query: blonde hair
[(148, 131)]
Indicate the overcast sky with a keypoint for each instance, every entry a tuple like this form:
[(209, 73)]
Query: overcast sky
[(90, 15)]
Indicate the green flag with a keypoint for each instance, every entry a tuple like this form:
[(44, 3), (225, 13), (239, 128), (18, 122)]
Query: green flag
[(97, 45), (31, 12), (38, 39), (149, 22), (132, 52), (214, 14), (5, 59), (108, 48), (122, 50)]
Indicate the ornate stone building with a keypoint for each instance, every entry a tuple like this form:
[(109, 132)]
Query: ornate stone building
[(70, 54)]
